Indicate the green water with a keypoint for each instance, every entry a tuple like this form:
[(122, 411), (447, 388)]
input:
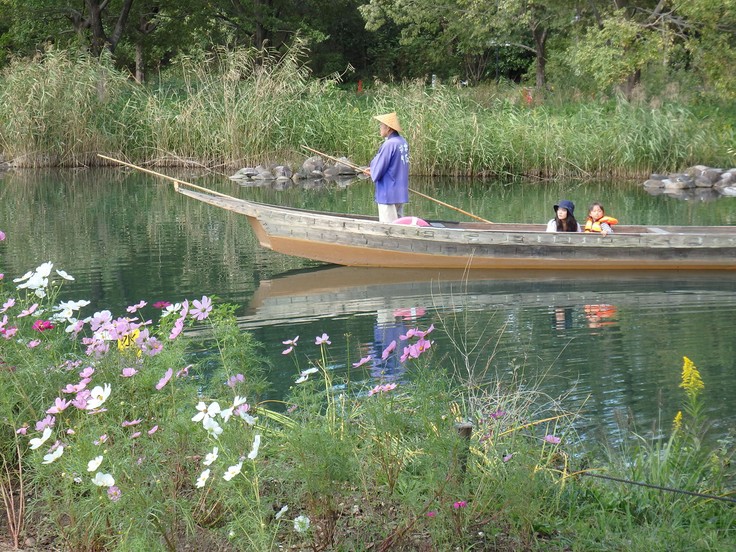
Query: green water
[(127, 237)]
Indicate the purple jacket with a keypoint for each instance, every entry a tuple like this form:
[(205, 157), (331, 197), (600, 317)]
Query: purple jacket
[(390, 170)]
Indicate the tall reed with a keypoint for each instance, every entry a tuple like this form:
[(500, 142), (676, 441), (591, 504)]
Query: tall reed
[(246, 106)]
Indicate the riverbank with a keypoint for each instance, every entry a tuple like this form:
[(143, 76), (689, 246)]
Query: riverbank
[(119, 434), (60, 110)]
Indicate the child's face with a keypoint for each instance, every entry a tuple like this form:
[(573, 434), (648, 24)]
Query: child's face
[(596, 212)]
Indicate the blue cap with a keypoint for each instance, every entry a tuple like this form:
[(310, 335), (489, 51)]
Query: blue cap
[(566, 204)]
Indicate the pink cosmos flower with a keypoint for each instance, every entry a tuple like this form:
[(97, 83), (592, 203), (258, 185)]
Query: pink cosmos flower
[(431, 514), (234, 380), (42, 325), (552, 439), (48, 421), (508, 457), (388, 350), (87, 372), (27, 312), (164, 380), (184, 371), (291, 342), (177, 329), (8, 304), (497, 414), (287, 350), (34, 343), (59, 406), (2, 235), (101, 440), (362, 361), (9, 333), (132, 422), (114, 493), (133, 308), (161, 304), (22, 430), (153, 430), (201, 308), (324, 338), (135, 435), (128, 372)]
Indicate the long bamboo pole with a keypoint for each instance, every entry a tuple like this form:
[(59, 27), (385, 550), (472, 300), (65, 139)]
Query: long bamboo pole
[(359, 169), (176, 181)]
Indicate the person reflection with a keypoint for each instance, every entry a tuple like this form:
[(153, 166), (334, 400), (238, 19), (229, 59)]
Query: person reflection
[(601, 315), (562, 318), (387, 349)]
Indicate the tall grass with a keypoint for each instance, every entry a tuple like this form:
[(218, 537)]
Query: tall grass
[(242, 107)]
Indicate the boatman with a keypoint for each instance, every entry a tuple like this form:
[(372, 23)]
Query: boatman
[(389, 170)]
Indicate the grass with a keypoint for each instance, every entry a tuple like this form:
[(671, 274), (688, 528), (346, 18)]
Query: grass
[(244, 107), (184, 453)]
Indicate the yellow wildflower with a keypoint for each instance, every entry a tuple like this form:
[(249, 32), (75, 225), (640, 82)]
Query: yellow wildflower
[(691, 381), (677, 423)]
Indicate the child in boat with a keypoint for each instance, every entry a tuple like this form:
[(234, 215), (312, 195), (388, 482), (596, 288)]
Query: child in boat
[(564, 220), (598, 221)]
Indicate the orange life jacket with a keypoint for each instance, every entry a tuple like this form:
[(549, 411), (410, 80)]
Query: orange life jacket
[(595, 226)]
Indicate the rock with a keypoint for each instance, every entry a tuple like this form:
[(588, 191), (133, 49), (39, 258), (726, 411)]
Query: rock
[(695, 170), (244, 173), (654, 183), (655, 176), (703, 182), (679, 182), (713, 175)]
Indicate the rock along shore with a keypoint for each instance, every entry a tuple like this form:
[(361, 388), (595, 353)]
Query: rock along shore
[(697, 182)]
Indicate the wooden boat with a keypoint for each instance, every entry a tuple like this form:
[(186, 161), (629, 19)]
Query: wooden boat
[(357, 240)]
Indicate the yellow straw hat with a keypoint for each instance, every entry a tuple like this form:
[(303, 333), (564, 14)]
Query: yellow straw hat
[(390, 120)]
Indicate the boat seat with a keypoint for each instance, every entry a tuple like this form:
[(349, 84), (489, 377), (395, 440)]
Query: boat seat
[(656, 230)]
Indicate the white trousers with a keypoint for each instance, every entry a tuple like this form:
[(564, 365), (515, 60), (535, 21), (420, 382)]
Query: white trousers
[(390, 212)]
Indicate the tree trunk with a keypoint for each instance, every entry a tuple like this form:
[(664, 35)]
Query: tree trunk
[(540, 48), (139, 64)]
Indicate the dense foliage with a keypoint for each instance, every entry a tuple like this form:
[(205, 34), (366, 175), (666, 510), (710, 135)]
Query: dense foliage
[(590, 45)]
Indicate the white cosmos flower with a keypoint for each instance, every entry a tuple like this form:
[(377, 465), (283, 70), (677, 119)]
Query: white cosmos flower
[(103, 480), (45, 269), (38, 441), (301, 524), (211, 457), (212, 427), (24, 277), (256, 445), (305, 375), (206, 411), (250, 420), (171, 309), (238, 400), (64, 274), (282, 511), (93, 464), (225, 414), (232, 471), (53, 456), (98, 397), (203, 477)]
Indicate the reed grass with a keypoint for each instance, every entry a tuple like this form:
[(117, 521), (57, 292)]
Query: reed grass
[(242, 107)]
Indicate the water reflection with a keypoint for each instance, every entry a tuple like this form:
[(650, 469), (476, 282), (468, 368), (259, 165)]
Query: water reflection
[(612, 344)]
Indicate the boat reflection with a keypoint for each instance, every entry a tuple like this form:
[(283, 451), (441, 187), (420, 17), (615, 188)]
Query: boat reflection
[(334, 292)]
